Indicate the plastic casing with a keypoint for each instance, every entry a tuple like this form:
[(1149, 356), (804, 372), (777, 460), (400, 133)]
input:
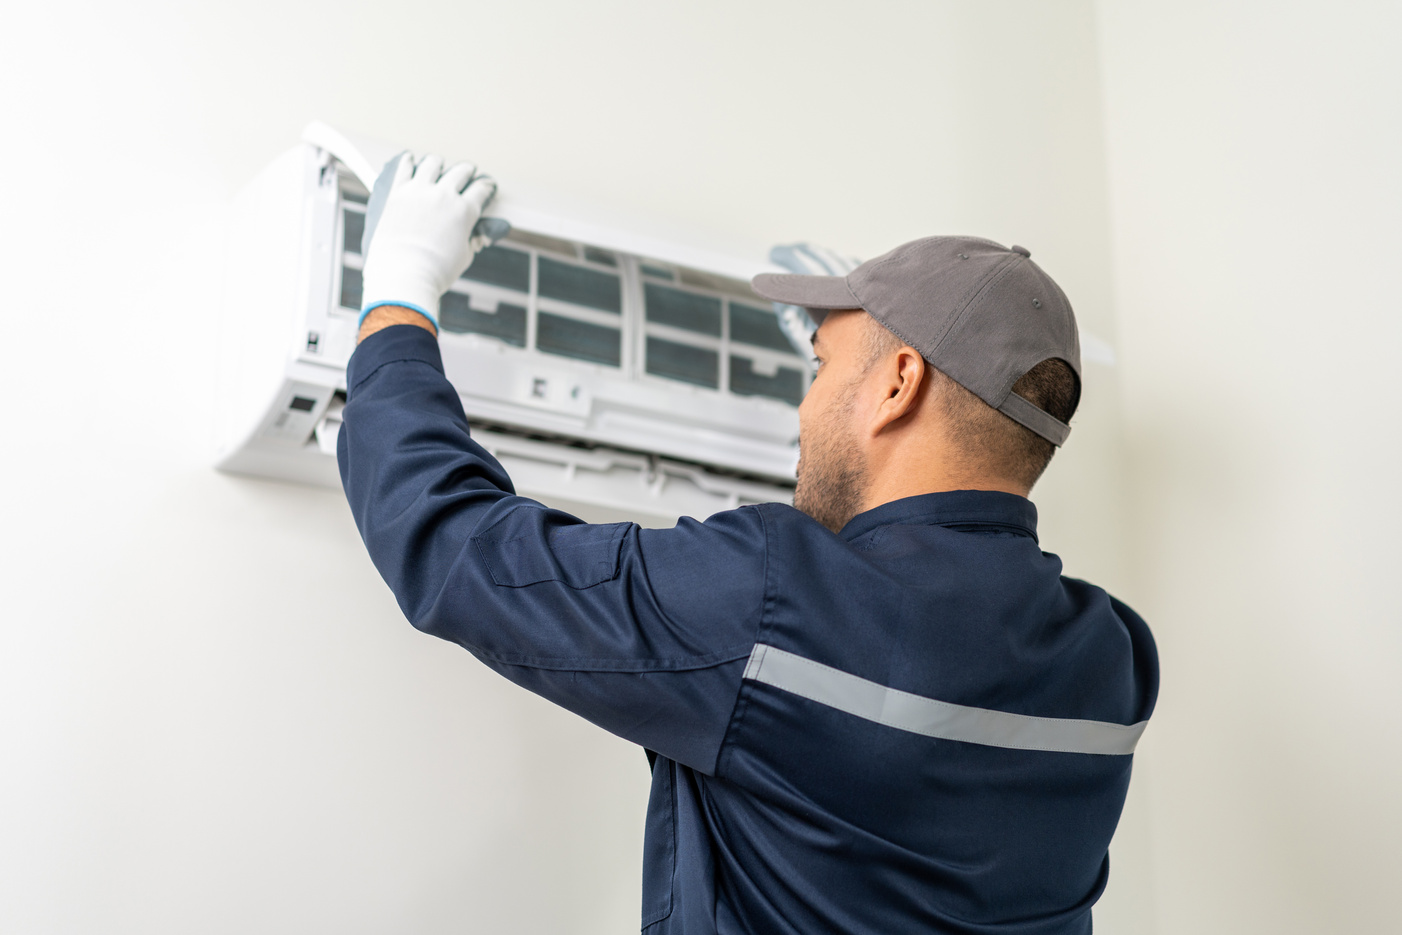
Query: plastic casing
[(595, 437)]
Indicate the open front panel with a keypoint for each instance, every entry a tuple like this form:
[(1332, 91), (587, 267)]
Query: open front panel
[(601, 379), (643, 319)]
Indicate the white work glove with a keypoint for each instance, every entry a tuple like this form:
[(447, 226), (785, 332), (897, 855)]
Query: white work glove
[(426, 234)]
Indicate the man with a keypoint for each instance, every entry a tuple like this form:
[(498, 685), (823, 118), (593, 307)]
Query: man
[(881, 710)]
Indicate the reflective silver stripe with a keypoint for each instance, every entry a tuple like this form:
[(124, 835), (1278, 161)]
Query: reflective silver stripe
[(920, 715)]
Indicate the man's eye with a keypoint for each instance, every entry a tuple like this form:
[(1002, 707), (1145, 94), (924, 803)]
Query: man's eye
[(817, 362)]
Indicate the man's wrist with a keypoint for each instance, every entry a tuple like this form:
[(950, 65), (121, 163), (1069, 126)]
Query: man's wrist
[(385, 316)]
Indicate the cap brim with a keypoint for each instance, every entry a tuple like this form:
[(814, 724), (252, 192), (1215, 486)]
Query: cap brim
[(822, 292)]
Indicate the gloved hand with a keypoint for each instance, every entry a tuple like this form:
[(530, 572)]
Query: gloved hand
[(426, 233)]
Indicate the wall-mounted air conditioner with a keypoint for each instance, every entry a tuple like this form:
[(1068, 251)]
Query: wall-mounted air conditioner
[(611, 373)]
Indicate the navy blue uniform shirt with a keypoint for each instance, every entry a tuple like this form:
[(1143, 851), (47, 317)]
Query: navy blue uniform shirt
[(917, 725)]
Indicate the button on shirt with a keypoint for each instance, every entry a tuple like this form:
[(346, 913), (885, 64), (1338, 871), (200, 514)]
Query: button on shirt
[(918, 725)]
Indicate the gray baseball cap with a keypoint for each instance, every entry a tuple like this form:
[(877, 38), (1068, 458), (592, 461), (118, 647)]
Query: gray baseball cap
[(982, 313)]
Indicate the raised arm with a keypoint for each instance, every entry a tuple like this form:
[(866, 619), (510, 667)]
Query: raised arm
[(644, 632)]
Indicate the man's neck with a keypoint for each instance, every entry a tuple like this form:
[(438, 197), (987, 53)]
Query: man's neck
[(909, 471), (876, 496)]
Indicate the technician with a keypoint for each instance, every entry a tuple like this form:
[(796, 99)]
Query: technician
[(880, 710)]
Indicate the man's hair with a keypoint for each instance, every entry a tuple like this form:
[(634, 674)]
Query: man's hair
[(989, 441)]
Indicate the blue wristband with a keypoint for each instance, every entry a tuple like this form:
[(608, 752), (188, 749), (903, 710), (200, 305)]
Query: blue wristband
[(409, 305)]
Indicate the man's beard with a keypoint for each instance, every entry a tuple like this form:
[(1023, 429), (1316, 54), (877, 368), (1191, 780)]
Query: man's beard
[(832, 475)]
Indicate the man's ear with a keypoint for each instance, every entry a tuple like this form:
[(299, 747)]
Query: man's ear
[(900, 378)]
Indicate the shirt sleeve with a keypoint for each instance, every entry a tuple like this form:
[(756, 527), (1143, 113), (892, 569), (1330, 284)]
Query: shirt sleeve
[(643, 632)]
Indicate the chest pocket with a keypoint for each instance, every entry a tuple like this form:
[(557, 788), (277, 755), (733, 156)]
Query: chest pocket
[(528, 549)]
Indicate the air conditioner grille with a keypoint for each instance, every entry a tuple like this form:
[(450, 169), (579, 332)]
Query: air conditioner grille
[(648, 318)]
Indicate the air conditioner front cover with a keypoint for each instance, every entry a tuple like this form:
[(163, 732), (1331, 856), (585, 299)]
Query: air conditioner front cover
[(580, 352)]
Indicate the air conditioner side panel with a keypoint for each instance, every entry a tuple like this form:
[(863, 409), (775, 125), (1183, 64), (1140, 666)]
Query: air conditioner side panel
[(267, 277)]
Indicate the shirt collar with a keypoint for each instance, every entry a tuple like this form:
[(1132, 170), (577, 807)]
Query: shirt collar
[(992, 508)]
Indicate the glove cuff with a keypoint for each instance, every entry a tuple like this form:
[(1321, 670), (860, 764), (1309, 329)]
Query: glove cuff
[(371, 306)]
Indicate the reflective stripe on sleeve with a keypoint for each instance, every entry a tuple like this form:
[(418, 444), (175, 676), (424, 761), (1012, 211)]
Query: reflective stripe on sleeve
[(921, 715)]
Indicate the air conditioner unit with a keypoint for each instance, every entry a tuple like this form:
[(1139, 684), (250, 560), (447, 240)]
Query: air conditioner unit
[(611, 373)]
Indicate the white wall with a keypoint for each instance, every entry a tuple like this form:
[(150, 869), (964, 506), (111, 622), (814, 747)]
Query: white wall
[(1254, 176), (212, 716)]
